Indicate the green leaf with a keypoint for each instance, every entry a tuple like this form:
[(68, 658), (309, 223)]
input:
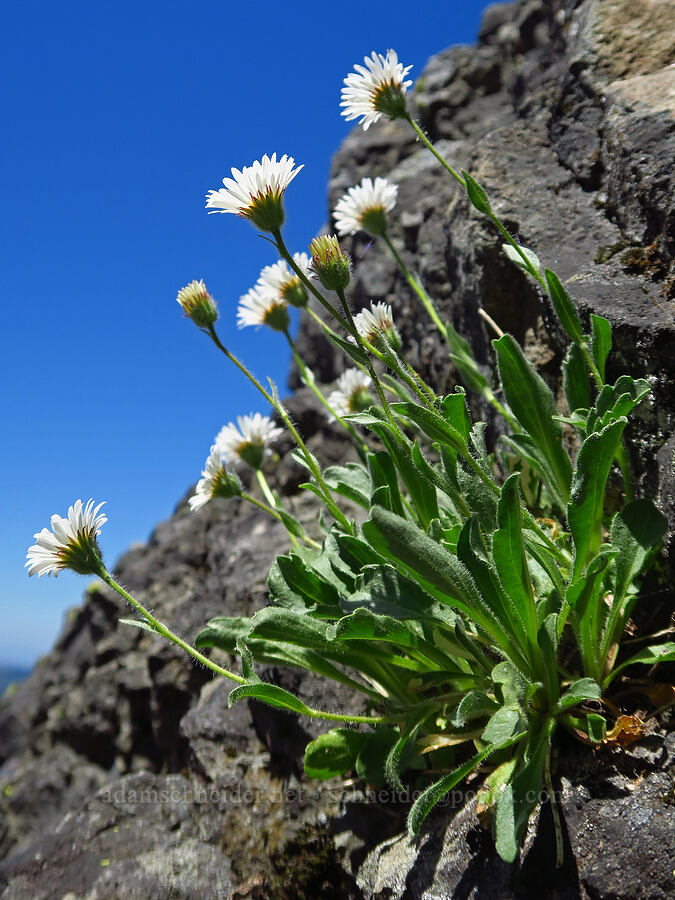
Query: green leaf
[(333, 753), (503, 724), (351, 481), (474, 705), (596, 728), (462, 356), (223, 632), (519, 798), (372, 757), (383, 475), (476, 194), (518, 260), (534, 406), (293, 583), (635, 530), (392, 766), (364, 625), (575, 379), (454, 411), (509, 556), (565, 309), (435, 792), (649, 656), (583, 689), (271, 694), (526, 446), (137, 623), (587, 499), (601, 341), (436, 570), (353, 352), (422, 491), (434, 426)]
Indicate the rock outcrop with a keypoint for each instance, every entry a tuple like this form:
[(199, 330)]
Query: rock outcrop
[(122, 772)]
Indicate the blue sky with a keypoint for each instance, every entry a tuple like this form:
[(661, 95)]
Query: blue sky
[(118, 118)]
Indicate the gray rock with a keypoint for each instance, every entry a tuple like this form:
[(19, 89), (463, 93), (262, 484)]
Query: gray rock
[(124, 773)]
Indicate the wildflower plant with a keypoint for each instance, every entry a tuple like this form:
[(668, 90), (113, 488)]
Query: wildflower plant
[(478, 599)]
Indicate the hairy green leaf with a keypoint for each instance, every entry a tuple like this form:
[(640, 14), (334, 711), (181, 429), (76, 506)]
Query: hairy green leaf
[(534, 406), (601, 341), (565, 309), (587, 499), (333, 753)]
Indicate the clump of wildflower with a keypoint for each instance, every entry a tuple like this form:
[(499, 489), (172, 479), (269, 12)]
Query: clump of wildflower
[(377, 326), (352, 393), (71, 544), (279, 280), (259, 307), (330, 262), (250, 442), (198, 304), (216, 481), (256, 193), (365, 206), (375, 90)]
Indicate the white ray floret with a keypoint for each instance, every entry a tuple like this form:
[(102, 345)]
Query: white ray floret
[(351, 392), (215, 481), (377, 88), (256, 190), (376, 320), (71, 544), (364, 207), (250, 441), (279, 276), (262, 307)]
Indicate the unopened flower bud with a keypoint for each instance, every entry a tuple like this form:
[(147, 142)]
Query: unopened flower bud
[(198, 304), (330, 263)]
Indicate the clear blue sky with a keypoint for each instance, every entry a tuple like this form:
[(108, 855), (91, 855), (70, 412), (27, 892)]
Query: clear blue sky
[(117, 118)]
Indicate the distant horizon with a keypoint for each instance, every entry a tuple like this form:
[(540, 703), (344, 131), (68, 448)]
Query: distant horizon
[(119, 121)]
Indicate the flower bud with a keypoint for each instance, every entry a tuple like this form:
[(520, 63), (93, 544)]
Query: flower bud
[(198, 304), (330, 263)]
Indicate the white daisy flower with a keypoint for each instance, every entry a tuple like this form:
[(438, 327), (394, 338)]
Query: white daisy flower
[(71, 544), (379, 88), (198, 304), (250, 441), (216, 481), (256, 192), (281, 281), (352, 393), (377, 323), (364, 207), (262, 307)]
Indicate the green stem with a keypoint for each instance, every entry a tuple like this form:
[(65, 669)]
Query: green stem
[(265, 488), (275, 515), (308, 379), (166, 633), (371, 371), (416, 286), (427, 143), (557, 827), (276, 404), (283, 250)]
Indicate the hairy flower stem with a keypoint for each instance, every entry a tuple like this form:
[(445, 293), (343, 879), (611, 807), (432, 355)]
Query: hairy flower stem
[(427, 143), (308, 379), (164, 632), (371, 371), (276, 404), (557, 827), (427, 302), (285, 253), (269, 496), (273, 512)]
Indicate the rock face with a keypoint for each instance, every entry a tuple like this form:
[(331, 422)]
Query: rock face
[(123, 774)]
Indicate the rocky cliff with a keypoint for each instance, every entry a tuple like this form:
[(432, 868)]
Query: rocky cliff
[(123, 774)]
